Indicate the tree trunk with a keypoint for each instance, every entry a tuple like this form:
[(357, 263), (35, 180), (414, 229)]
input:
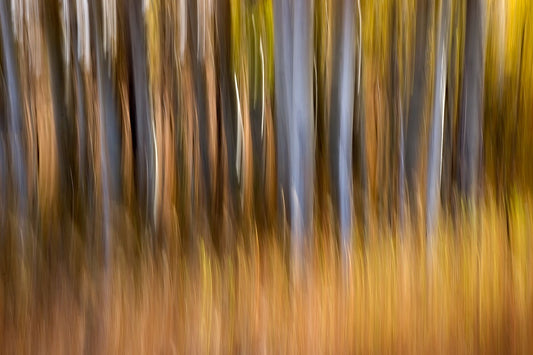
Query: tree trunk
[(282, 68), (434, 164), (142, 125), (469, 139), (15, 124), (108, 131), (301, 126), (416, 105), (294, 106), (341, 119)]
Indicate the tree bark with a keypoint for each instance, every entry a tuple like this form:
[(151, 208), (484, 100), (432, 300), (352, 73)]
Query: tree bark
[(416, 105), (283, 92), (341, 119), (15, 124), (144, 144), (434, 164), (469, 139), (301, 126)]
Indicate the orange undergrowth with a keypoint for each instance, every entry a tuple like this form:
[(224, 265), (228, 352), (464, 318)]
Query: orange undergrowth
[(471, 294)]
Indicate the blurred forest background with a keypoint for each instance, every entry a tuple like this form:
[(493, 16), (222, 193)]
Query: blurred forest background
[(266, 176)]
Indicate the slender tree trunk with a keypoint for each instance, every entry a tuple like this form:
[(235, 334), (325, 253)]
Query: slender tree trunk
[(416, 105), (451, 107), (294, 106), (400, 68), (434, 164), (283, 93), (81, 133), (360, 133), (3, 181), (197, 24), (108, 131), (142, 124), (301, 126), (226, 100), (341, 120), (57, 88), (469, 140), (15, 123)]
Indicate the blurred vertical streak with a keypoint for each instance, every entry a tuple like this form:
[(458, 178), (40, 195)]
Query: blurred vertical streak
[(342, 110), (15, 124), (322, 20), (153, 30), (416, 105), (202, 84), (66, 41), (144, 144), (227, 114), (266, 48), (360, 133), (182, 31), (211, 136), (188, 148), (400, 103), (108, 131), (393, 93), (84, 113), (3, 181), (81, 132), (469, 140), (283, 94), (183, 121), (452, 104), (255, 68), (166, 129), (301, 130), (62, 122), (434, 164), (242, 80), (82, 21), (294, 107)]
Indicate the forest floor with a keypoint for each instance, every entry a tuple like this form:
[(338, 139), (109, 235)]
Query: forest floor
[(473, 294)]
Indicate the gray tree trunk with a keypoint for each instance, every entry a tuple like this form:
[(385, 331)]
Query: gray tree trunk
[(471, 101), (341, 120), (301, 126), (434, 165), (15, 124), (416, 105), (108, 130), (294, 108), (197, 48)]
